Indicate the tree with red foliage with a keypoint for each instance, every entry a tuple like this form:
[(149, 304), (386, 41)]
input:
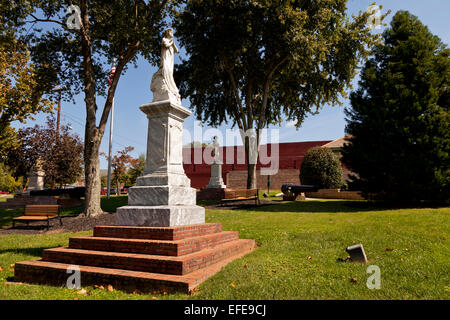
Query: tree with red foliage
[(120, 163), (61, 157)]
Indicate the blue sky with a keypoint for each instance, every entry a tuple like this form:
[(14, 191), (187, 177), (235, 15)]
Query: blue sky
[(130, 124)]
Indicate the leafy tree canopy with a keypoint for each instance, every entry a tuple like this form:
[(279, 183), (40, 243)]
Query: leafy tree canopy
[(252, 62), (78, 56), (61, 157), (399, 117)]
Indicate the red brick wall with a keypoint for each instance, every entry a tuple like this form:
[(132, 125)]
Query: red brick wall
[(290, 159), (238, 179)]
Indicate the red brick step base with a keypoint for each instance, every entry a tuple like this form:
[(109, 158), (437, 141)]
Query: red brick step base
[(147, 259)]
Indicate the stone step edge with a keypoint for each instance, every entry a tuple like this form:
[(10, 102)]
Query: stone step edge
[(157, 233), (53, 273), (153, 247), (147, 263)]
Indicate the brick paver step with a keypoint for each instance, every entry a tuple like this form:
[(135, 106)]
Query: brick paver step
[(151, 233), (54, 273), (149, 263), (155, 247)]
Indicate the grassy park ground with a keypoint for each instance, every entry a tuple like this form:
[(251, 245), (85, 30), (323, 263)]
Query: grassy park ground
[(300, 246)]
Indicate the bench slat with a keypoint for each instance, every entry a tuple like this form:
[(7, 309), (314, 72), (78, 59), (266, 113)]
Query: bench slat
[(34, 218), (41, 210), (239, 195)]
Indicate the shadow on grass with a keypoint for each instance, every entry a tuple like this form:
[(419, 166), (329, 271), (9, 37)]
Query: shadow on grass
[(114, 202), (322, 206), (6, 216), (27, 251)]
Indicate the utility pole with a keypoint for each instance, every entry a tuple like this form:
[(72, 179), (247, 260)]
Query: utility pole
[(58, 119), (111, 124), (108, 192)]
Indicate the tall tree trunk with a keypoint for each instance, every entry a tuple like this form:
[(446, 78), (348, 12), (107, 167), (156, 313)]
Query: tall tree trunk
[(92, 176), (251, 176), (92, 135), (251, 166)]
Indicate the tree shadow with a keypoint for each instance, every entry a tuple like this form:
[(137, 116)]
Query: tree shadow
[(319, 206), (27, 251)]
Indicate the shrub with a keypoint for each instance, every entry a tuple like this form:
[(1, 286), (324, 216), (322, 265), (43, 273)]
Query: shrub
[(322, 168)]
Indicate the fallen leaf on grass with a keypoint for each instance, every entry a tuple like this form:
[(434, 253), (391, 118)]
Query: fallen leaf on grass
[(1, 269), (110, 288), (402, 260), (309, 257), (135, 292), (354, 280), (75, 298), (193, 291), (154, 298), (12, 266), (99, 287), (232, 284), (245, 266), (82, 292)]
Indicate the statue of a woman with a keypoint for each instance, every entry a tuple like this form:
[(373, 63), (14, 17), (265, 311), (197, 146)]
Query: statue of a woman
[(163, 85)]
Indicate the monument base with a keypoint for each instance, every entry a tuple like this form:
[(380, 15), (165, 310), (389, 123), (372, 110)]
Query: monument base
[(160, 216), (211, 194), (139, 258), (161, 196)]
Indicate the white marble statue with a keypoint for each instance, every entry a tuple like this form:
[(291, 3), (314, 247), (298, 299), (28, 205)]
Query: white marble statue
[(216, 150), (163, 85)]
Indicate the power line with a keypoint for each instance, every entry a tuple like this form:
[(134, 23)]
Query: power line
[(121, 137)]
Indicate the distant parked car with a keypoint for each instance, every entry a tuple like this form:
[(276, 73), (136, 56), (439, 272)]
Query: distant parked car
[(104, 191), (125, 189)]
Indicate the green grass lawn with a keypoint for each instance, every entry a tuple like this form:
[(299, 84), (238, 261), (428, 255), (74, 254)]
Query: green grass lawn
[(300, 244)]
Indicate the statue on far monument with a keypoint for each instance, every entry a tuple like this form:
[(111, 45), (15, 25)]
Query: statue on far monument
[(163, 85), (36, 177), (216, 147)]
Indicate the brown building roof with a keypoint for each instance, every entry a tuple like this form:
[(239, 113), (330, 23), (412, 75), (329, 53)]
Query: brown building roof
[(336, 144)]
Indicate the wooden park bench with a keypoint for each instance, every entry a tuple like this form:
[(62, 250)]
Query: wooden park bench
[(39, 213), (241, 195)]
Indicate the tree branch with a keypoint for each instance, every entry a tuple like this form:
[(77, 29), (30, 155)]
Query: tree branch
[(235, 91), (262, 118), (123, 60), (36, 19)]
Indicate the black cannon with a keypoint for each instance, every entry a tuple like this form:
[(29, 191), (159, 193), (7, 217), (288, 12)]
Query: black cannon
[(291, 191)]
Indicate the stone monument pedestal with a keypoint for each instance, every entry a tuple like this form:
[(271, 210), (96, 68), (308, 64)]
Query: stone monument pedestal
[(216, 181), (215, 190), (35, 179), (163, 196)]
